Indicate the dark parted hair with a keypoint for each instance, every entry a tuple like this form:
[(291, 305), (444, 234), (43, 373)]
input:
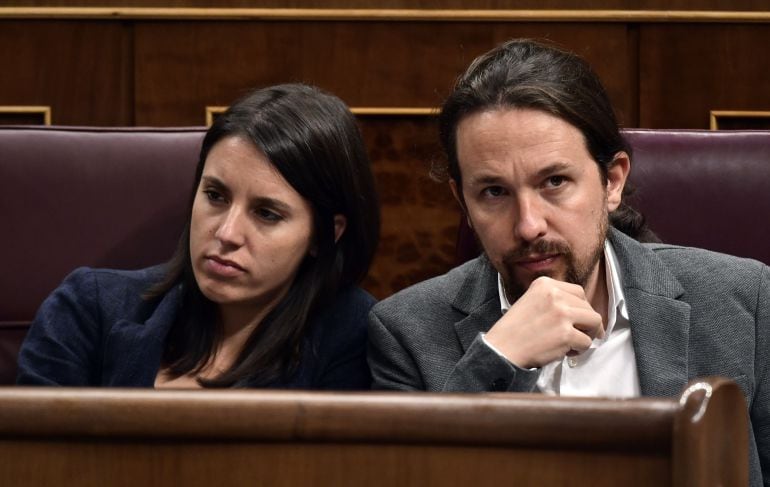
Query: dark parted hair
[(523, 73), (313, 140)]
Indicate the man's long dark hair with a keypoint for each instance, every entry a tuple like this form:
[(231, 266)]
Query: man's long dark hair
[(523, 73), (312, 139)]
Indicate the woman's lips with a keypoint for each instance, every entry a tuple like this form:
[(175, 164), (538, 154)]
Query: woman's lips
[(222, 267)]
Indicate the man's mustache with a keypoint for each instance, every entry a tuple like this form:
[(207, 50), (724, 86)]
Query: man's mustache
[(538, 247)]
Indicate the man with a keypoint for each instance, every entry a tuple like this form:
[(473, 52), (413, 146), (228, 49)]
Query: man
[(565, 299)]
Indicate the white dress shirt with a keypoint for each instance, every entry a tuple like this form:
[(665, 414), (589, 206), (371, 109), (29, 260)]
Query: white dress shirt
[(608, 367)]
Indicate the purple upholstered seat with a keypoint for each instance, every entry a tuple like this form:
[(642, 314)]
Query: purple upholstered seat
[(84, 196)]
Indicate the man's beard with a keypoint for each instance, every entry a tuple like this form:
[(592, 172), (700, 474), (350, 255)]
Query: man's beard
[(576, 271)]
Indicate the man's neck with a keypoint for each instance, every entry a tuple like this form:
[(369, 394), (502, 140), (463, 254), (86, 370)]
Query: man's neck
[(596, 289)]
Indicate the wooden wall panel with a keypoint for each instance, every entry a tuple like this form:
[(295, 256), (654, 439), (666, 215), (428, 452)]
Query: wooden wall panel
[(757, 5), (419, 215), (164, 72), (688, 70), (81, 69), (182, 67)]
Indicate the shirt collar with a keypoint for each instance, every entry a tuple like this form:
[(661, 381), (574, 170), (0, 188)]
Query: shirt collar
[(616, 300)]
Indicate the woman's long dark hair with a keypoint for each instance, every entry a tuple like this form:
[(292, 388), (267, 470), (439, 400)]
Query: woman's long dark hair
[(312, 139)]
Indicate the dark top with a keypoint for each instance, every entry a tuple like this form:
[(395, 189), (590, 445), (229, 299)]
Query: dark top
[(97, 330)]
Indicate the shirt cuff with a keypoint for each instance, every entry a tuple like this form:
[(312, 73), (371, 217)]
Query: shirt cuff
[(498, 352)]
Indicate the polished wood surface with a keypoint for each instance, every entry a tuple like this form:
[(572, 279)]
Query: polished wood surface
[(729, 5), (392, 14), (129, 437), (688, 70), (82, 70), (365, 63)]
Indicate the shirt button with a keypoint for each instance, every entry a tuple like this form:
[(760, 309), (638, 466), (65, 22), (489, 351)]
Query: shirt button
[(572, 361)]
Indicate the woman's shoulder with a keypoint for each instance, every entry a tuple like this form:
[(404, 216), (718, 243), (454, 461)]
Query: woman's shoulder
[(350, 304), (110, 288), (104, 279)]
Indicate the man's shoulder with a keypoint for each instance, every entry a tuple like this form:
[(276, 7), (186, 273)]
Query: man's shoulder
[(433, 294), (707, 270), (701, 260)]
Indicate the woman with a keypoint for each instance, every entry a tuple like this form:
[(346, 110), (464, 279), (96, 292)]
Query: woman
[(261, 290)]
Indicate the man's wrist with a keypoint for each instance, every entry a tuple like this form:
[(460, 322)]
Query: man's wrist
[(501, 354)]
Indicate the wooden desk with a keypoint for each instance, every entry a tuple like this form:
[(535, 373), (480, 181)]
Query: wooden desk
[(107, 437)]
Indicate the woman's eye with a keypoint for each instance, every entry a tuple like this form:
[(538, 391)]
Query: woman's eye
[(269, 215), (213, 196)]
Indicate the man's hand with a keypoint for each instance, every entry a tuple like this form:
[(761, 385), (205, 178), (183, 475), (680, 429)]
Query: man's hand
[(547, 322)]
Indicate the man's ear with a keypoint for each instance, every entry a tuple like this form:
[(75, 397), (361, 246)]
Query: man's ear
[(340, 224), (617, 174), (459, 197)]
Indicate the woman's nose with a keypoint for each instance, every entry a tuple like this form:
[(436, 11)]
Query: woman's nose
[(230, 229)]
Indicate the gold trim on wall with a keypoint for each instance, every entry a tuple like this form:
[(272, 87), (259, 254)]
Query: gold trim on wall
[(715, 115), (394, 111), (43, 110), (212, 111), (402, 15)]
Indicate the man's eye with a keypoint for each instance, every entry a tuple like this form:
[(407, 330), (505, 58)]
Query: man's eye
[(556, 181), (493, 191)]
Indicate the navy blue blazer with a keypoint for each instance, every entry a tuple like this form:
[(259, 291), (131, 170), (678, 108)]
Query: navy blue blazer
[(96, 330)]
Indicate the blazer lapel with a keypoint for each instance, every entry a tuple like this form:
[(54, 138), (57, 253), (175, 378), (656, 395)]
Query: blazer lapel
[(660, 321), (478, 298), (133, 350)]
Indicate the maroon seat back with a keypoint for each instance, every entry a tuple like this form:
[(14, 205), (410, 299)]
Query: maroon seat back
[(84, 197), (700, 188)]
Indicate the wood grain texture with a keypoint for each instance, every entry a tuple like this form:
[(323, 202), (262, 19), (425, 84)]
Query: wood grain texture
[(118, 464), (749, 5), (183, 67), (116, 437), (688, 70), (419, 215), (81, 69)]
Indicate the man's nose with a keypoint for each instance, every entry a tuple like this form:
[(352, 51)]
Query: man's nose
[(530, 222)]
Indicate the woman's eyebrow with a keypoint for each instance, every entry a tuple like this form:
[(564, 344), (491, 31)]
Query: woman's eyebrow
[(213, 180), (271, 203)]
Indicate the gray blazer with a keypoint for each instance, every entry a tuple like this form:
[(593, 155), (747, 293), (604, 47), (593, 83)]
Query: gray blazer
[(693, 313)]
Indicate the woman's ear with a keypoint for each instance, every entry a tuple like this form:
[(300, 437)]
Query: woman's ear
[(340, 223)]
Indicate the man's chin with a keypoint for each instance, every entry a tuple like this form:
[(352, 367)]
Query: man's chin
[(517, 284)]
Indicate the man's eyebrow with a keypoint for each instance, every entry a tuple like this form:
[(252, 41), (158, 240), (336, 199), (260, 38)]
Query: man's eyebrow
[(551, 169), (546, 171), (484, 179)]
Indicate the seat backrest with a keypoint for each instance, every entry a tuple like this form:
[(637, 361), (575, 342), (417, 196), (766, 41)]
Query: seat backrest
[(708, 189), (699, 188), (85, 197)]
